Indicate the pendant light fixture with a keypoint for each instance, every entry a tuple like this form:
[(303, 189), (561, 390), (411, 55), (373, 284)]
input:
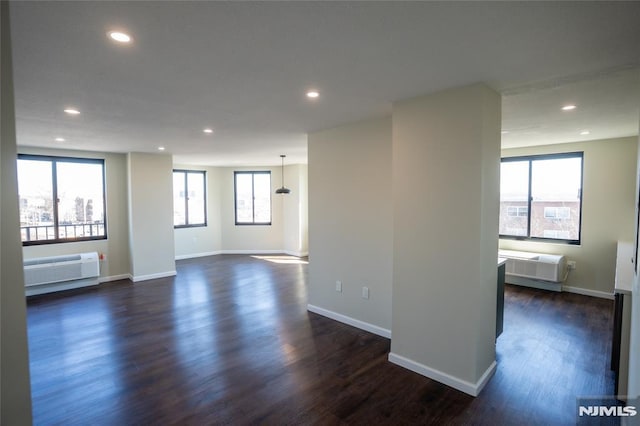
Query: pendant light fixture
[(283, 190)]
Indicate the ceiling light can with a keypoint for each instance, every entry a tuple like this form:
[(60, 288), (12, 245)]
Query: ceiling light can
[(119, 36)]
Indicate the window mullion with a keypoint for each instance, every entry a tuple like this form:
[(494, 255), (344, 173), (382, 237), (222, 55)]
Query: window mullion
[(186, 199), (253, 197), (530, 202), (204, 197), (56, 200)]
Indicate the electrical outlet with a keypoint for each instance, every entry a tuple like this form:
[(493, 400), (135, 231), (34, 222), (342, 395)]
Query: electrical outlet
[(365, 292), (339, 286), (571, 264)]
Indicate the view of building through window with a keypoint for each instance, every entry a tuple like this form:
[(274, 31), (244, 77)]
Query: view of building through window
[(540, 197), (61, 199), (253, 198), (189, 198)]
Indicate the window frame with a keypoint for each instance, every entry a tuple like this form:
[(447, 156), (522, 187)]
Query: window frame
[(186, 173), (531, 159), (235, 197), (54, 160)]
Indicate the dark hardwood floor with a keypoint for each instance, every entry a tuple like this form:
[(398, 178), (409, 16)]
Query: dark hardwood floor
[(229, 341)]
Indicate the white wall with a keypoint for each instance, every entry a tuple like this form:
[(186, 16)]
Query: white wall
[(350, 223), (116, 247), (633, 389), (150, 196), (446, 153), (304, 209), (608, 211), (294, 211), (205, 240), (15, 392)]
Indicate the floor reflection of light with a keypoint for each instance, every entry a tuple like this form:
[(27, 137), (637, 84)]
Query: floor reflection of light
[(254, 296), (257, 294), (192, 318), (283, 259), (190, 290), (196, 323), (78, 325), (86, 346), (290, 353), (203, 326)]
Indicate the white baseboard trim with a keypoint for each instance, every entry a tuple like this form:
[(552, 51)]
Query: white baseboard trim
[(194, 255), (371, 328), (587, 292), (114, 278), (472, 389), (252, 252), (532, 283), (217, 252), (296, 253), (139, 278)]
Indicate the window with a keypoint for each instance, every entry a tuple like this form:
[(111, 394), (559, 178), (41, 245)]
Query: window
[(557, 213), (517, 211), (541, 197), (189, 198), (61, 199), (253, 198)]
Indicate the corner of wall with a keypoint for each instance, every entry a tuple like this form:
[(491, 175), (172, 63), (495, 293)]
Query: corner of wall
[(15, 389)]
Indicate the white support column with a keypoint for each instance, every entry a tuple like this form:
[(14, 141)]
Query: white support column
[(446, 165), (151, 236)]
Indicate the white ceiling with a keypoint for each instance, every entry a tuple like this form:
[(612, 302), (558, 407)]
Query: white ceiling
[(243, 68)]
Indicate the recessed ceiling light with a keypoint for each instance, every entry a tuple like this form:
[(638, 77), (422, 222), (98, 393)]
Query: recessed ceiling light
[(161, 148), (568, 107), (72, 111), (312, 94), (585, 132), (208, 130), (120, 37), (59, 139)]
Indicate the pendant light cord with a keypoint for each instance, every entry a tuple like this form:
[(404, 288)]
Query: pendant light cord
[(282, 173)]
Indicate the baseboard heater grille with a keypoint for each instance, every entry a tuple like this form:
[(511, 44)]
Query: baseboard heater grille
[(56, 273), (539, 270)]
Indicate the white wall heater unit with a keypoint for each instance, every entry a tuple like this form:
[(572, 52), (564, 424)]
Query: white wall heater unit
[(539, 270), (48, 274)]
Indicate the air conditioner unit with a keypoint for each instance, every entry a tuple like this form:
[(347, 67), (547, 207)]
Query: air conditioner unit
[(47, 274), (534, 269)]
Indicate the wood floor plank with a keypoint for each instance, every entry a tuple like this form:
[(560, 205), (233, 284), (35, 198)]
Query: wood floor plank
[(229, 341)]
